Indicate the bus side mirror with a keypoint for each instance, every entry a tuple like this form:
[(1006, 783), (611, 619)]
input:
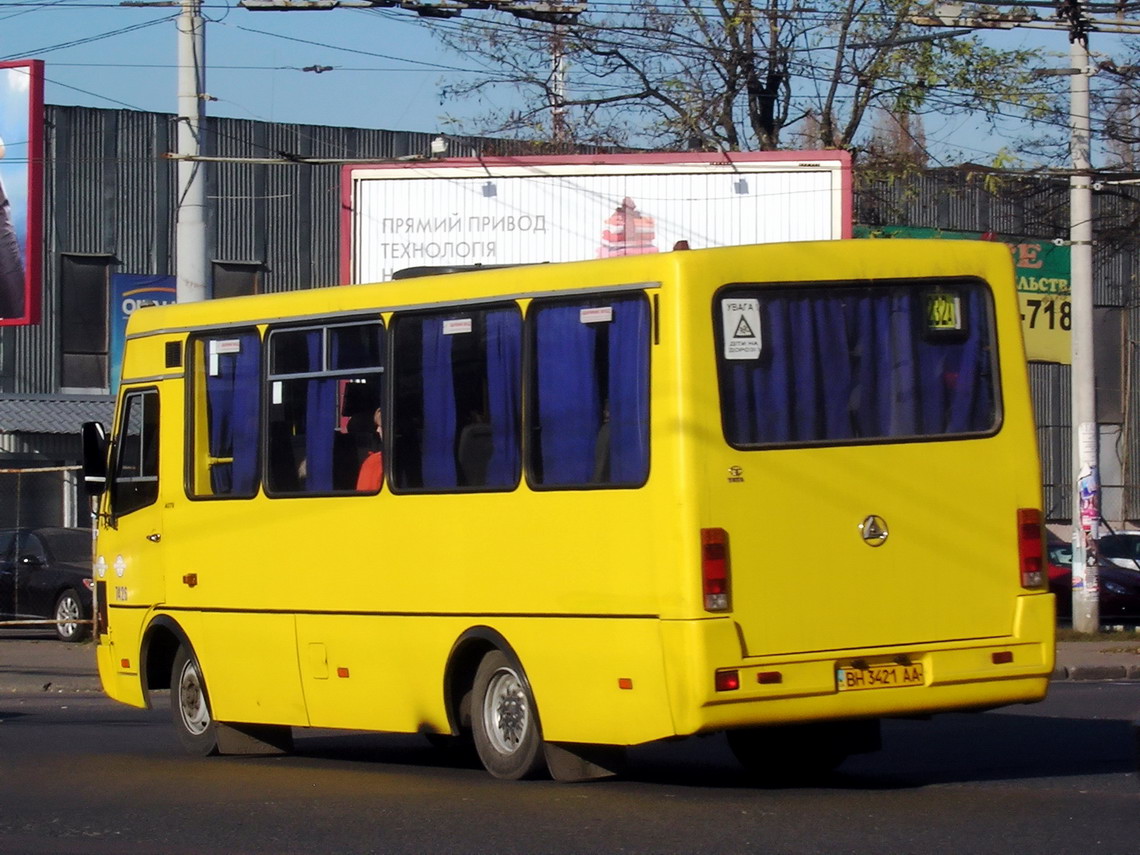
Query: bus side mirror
[(94, 458)]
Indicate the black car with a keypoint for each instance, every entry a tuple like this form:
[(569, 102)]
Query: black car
[(1121, 548), (46, 573)]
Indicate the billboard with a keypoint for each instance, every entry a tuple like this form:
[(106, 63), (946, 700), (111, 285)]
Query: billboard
[(518, 210), (21, 190), (1042, 271)]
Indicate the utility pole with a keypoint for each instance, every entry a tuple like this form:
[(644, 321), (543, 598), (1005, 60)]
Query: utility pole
[(1086, 477), (1085, 431), (558, 128), (190, 235)]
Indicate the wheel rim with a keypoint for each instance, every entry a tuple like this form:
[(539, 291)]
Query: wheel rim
[(506, 711), (192, 700), (67, 610)]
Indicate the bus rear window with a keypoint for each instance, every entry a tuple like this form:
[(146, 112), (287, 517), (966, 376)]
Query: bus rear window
[(847, 363)]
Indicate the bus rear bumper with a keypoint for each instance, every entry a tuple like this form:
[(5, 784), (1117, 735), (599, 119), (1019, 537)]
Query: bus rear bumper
[(726, 690)]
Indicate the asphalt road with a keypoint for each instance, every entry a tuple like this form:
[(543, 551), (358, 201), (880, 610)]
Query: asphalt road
[(81, 775)]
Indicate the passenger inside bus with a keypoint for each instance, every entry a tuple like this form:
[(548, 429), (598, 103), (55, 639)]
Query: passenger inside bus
[(372, 469)]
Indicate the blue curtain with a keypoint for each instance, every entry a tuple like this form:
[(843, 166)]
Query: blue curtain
[(233, 403), (247, 416), (844, 364), (320, 420), (438, 447), (504, 366), (629, 393), (569, 405)]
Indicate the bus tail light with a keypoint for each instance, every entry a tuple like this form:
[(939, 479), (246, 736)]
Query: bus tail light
[(1030, 548), (727, 680), (714, 568)]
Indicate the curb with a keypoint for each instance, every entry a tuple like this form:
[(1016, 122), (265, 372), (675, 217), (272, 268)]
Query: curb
[(1096, 672)]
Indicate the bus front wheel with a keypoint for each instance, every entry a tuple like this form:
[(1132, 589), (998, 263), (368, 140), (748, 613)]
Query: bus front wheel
[(504, 721), (190, 706)]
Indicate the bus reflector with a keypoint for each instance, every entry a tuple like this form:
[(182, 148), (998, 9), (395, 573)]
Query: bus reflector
[(625, 682), (1030, 547), (727, 681), (1002, 657), (769, 678), (714, 568)]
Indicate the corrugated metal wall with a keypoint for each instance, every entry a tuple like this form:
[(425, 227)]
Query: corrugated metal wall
[(110, 190)]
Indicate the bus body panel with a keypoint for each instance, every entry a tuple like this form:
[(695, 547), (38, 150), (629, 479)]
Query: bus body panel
[(386, 672), (250, 663), (118, 657)]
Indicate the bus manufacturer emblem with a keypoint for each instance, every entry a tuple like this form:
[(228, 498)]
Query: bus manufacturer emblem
[(874, 530)]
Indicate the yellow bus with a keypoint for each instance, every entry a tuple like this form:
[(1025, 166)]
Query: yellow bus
[(779, 491)]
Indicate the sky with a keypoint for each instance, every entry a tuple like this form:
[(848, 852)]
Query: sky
[(387, 67)]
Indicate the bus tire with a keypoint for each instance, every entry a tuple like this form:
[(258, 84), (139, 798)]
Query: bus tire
[(504, 721), (190, 706)]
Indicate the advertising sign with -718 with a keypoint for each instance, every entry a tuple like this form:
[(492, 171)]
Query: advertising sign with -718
[(1042, 270)]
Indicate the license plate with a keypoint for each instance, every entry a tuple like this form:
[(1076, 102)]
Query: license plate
[(890, 676)]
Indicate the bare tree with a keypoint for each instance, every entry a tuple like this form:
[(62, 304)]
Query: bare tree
[(733, 74)]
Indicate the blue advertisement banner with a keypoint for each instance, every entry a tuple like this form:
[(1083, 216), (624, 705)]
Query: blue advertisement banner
[(131, 291)]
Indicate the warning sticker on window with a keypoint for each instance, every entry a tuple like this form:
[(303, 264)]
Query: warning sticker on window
[(457, 326), (741, 320)]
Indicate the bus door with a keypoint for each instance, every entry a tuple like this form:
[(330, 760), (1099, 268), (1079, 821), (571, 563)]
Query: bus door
[(128, 567)]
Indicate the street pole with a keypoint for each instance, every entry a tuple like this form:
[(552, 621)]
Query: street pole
[(1086, 478), (558, 85), (190, 236)]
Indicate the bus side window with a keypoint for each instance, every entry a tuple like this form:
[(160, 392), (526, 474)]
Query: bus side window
[(589, 392), (134, 481), (226, 408), (457, 407), (325, 390)]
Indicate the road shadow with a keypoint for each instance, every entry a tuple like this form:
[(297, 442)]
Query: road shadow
[(948, 749), (944, 750)]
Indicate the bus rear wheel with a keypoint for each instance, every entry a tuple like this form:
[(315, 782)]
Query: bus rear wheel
[(504, 721), (190, 706)]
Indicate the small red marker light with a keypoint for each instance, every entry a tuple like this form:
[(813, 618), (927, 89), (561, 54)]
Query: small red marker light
[(1002, 657), (727, 681), (342, 672), (768, 678), (625, 683), (125, 664)]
